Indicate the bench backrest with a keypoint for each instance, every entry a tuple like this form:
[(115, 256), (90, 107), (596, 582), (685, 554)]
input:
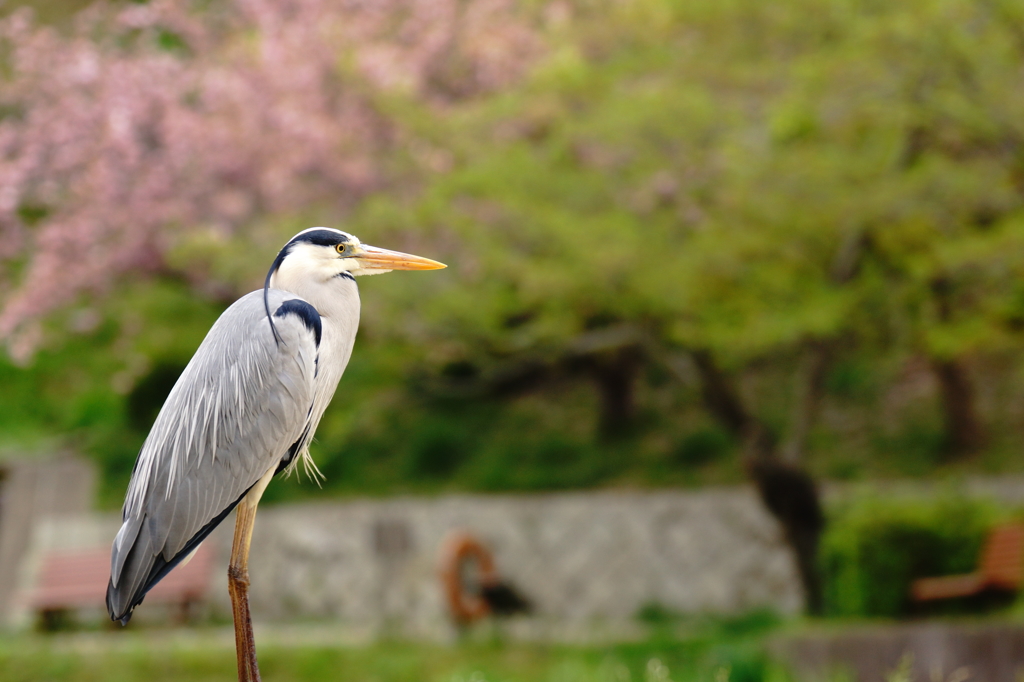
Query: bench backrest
[(1002, 558), (78, 578)]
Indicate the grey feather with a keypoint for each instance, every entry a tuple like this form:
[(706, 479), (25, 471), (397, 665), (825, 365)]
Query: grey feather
[(247, 405), (243, 400)]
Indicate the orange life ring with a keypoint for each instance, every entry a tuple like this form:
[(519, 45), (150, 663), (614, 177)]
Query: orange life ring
[(456, 550)]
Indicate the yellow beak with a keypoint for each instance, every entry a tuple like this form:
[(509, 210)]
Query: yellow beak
[(374, 258)]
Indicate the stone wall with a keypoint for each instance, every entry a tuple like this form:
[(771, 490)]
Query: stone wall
[(582, 559), (578, 557)]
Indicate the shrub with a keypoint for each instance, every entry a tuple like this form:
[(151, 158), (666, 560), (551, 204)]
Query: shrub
[(703, 447), (875, 547)]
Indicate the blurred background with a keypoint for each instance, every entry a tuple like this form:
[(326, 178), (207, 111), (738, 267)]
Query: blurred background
[(727, 356)]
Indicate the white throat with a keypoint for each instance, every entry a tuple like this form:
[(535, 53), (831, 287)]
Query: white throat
[(315, 275)]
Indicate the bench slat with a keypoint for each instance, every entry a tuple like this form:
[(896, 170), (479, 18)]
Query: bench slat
[(76, 579), (1001, 566)]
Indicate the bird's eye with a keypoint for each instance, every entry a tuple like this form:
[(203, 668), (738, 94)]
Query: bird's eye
[(340, 247)]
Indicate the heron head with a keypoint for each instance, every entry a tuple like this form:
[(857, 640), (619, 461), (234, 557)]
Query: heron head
[(323, 253)]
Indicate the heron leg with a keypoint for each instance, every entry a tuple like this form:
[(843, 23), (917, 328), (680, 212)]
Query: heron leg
[(238, 581)]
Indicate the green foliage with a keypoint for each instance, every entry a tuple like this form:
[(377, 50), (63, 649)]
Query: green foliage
[(705, 657), (472, 447), (874, 547), (655, 614), (703, 446), (850, 379), (647, 150), (436, 452), (59, 13), (746, 178), (78, 390), (147, 396), (756, 622)]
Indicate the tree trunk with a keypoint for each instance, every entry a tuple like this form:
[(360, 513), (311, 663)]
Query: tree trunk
[(791, 496), (964, 434), (615, 375), (719, 396), (810, 384), (726, 406), (787, 492)]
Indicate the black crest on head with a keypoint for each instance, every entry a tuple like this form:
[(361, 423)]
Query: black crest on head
[(320, 237)]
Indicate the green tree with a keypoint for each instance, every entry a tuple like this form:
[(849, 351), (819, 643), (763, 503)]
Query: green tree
[(740, 183)]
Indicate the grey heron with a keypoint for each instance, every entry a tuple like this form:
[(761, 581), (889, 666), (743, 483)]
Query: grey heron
[(245, 408)]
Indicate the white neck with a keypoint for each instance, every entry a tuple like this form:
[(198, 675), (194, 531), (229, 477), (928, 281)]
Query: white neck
[(336, 298), (319, 281)]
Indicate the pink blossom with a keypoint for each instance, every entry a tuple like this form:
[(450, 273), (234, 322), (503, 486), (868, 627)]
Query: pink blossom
[(153, 120)]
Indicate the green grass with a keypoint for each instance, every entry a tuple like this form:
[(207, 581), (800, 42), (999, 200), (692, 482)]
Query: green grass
[(715, 654)]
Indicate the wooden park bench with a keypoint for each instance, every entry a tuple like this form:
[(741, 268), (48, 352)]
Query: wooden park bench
[(1001, 568), (77, 579)]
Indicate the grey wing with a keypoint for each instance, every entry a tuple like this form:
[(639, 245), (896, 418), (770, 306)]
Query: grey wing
[(240, 405)]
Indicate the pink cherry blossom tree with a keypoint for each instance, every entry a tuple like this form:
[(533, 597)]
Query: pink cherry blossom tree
[(149, 122)]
